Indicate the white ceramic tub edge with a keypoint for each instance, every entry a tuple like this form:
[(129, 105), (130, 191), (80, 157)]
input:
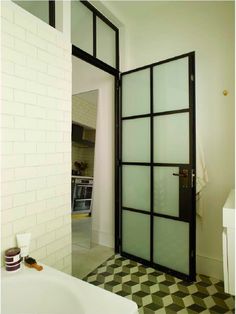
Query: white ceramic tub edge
[(51, 291)]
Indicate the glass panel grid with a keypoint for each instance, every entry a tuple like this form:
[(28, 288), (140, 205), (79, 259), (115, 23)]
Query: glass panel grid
[(81, 26), (171, 138), (166, 191), (136, 140), (106, 43), (136, 93), (170, 85), (136, 187), (171, 244), (136, 234)]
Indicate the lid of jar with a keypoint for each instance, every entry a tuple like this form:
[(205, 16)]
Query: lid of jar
[(12, 251)]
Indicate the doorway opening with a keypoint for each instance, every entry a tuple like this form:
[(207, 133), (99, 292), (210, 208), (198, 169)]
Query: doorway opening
[(92, 164)]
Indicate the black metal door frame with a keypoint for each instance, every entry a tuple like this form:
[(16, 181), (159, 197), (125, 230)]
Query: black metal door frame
[(185, 215)]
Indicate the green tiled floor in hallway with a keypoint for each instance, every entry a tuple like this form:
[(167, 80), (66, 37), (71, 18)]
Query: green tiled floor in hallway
[(156, 292)]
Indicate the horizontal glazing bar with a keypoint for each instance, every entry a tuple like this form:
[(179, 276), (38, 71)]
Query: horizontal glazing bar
[(155, 114), (136, 210)]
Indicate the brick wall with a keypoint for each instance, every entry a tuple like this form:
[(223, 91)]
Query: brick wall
[(36, 136)]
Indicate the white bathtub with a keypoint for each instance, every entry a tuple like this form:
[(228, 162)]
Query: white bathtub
[(52, 292)]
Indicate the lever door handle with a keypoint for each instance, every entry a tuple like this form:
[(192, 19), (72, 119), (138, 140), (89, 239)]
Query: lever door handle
[(180, 174)]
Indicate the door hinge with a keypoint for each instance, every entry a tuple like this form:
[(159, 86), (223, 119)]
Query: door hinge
[(192, 77)]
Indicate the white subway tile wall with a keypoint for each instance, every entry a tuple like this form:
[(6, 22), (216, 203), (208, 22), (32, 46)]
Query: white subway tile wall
[(36, 140)]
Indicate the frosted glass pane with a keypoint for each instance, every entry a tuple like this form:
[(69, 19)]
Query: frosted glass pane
[(171, 244), (37, 8), (106, 43), (136, 93), (136, 187), (171, 138), (136, 234), (166, 191), (171, 86), (136, 140), (81, 26)]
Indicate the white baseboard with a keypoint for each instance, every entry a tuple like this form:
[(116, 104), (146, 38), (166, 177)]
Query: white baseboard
[(103, 238), (209, 266)]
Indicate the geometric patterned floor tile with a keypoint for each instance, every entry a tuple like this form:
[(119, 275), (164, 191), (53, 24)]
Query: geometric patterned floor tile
[(158, 293)]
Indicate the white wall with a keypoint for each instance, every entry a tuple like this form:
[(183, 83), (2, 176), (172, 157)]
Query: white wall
[(85, 77), (36, 136), (157, 30)]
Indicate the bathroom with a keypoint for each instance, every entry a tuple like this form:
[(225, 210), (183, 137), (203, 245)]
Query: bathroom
[(36, 118)]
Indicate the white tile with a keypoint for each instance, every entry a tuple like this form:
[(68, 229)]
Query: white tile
[(14, 56), (25, 72), (6, 202), (37, 230), (58, 244), (39, 254), (8, 67), (45, 216), (7, 40), (62, 232), (26, 172), (24, 148), (13, 187), (7, 12), (7, 174), (13, 161), (25, 48), (35, 136), (23, 198), (43, 32), (54, 224), (45, 148), (26, 20), (25, 97), (35, 184), (7, 94), (12, 135), (13, 214), (52, 136), (13, 29), (7, 230), (36, 64), (55, 71), (7, 121), (45, 193), (34, 159), (35, 207), (13, 108), (45, 239), (22, 224), (33, 111), (36, 88), (36, 41), (49, 260)]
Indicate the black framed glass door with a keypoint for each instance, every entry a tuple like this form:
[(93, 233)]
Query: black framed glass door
[(157, 165)]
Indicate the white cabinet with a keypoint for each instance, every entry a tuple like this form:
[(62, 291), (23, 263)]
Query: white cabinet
[(229, 243)]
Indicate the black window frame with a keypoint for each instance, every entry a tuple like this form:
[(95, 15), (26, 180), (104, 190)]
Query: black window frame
[(92, 58)]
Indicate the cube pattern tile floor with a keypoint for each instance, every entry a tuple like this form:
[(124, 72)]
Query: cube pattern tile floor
[(156, 292)]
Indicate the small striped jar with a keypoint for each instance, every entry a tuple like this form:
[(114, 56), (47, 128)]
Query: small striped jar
[(12, 259)]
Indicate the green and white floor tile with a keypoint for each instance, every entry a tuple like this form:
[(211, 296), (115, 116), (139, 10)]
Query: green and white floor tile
[(156, 292)]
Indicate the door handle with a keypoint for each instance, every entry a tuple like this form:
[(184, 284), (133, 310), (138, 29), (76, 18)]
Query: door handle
[(184, 181), (180, 174)]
